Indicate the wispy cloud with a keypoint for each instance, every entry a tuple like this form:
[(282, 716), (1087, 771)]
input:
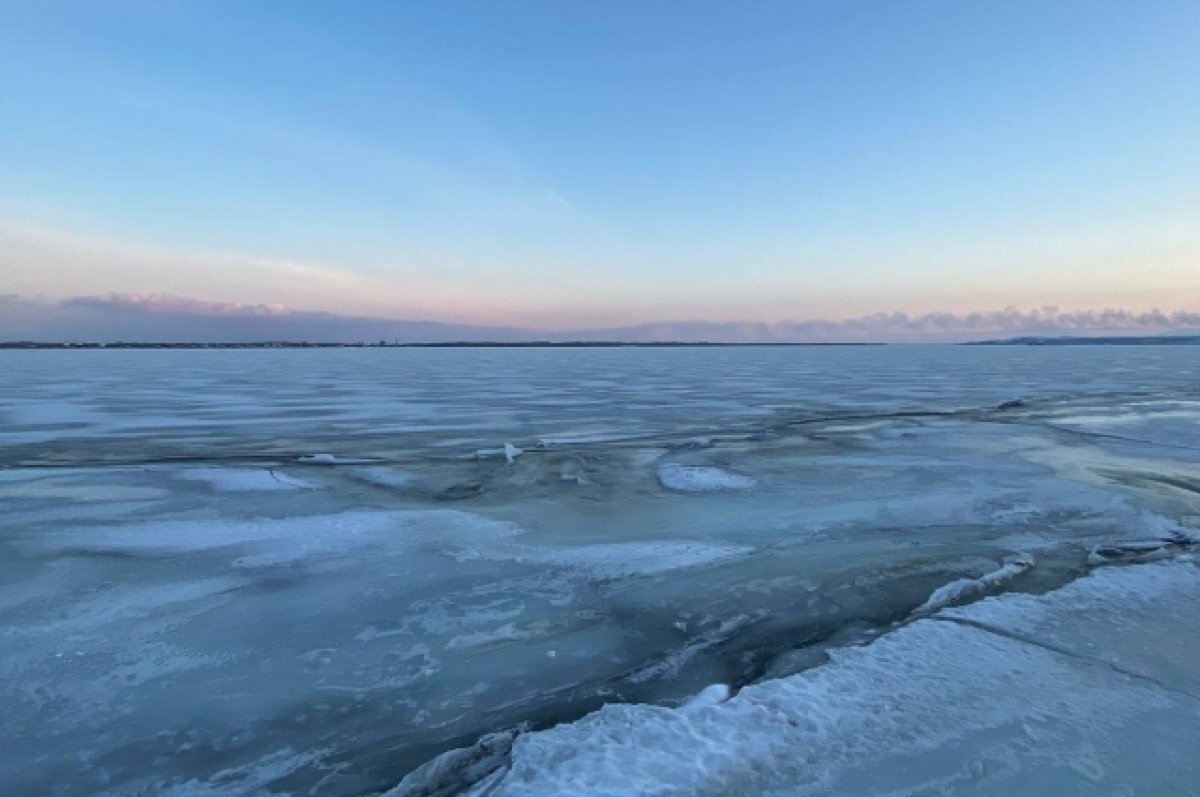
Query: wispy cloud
[(32, 260), (166, 303), (1007, 322)]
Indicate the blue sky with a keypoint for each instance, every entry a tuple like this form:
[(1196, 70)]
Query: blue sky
[(569, 165)]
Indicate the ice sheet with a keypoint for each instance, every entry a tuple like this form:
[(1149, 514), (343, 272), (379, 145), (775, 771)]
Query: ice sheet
[(175, 617), (934, 706)]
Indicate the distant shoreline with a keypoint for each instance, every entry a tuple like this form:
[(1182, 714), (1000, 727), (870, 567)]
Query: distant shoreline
[(1107, 340), (532, 344)]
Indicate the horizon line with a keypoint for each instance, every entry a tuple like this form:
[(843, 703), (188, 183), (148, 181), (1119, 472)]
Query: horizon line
[(1022, 340)]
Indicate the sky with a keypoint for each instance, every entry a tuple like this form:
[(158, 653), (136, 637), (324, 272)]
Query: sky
[(662, 169)]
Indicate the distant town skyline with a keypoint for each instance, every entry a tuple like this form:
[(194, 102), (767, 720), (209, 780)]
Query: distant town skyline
[(781, 171)]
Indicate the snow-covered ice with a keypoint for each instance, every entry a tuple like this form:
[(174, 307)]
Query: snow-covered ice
[(942, 705)]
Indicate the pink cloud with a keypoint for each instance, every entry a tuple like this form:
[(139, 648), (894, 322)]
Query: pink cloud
[(179, 305)]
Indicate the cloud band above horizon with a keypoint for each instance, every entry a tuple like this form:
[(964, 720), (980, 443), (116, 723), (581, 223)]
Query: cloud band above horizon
[(164, 318)]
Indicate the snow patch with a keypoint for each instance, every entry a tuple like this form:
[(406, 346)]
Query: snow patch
[(698, 479)]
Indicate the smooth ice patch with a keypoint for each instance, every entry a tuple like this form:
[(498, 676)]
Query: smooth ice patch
[(623, 559), (270, 541), (110, 607), (246, 479), (698, 479), (76, 490), (611, 560)]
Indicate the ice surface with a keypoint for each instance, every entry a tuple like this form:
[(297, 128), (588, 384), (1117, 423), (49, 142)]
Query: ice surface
[(187, 607)]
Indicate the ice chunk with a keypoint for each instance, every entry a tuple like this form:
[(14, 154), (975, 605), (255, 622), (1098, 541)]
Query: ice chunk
[(964, 588), (697, 479), (453, 770), (1129, 552), (511, 452), (708, 696)]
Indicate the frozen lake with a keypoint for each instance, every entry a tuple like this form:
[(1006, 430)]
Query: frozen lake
[(313, 571)]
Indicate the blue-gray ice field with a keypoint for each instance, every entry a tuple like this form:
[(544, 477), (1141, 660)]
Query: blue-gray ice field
[(900, 570)]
